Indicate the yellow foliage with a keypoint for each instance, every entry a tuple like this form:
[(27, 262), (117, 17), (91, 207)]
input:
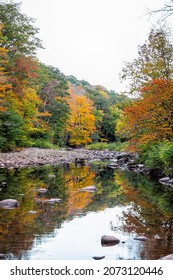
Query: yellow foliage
[(81, 123)]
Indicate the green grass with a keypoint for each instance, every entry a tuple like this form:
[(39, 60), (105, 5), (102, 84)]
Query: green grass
[(116, 146)]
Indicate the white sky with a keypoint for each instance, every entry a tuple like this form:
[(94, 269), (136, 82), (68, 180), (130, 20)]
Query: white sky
[(91, 39)]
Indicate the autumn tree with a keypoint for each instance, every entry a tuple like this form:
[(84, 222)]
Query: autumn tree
[(150, 118), (19, 44), (81, 122), (155, 61)]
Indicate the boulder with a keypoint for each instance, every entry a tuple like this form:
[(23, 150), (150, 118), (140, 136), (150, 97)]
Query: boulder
[(9, 203), (141, 238), (107, 240), (168, 257), (89, 189)]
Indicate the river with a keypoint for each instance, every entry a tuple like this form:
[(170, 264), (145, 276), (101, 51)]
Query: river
[(125, 205)]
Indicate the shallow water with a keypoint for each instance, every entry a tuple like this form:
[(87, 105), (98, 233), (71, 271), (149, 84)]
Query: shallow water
[(125, 204)]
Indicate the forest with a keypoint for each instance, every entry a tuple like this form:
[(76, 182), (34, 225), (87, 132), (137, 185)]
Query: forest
[(42, 107)]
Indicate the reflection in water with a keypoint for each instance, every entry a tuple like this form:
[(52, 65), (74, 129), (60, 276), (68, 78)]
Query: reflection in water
[(125, 204)]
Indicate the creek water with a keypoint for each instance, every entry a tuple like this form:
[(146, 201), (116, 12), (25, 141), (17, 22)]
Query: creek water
[(125, 205)]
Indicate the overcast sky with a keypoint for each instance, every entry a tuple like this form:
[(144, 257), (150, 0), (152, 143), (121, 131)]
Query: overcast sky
[(91, 39)]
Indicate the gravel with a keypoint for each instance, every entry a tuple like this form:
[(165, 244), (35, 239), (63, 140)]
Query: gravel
[(36, 157)]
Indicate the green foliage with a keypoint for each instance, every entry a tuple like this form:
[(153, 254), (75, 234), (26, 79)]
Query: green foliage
[(18, 30), (42, 143), (155, 60), (116, 146), (53, 92), (12, 133), (158, 156)]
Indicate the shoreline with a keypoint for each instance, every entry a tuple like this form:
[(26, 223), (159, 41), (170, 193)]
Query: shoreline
[(38, 157)]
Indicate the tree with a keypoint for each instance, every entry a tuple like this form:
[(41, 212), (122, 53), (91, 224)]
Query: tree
[(53, 93), (81, 123), (18, 30), (150, 118), (155, 61), (165, 11)]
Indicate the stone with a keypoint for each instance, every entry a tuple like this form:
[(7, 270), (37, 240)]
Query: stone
[(32, 212), (79, 161), (2, 256), (98, 257), (52, 200), (124, 155), (168, 257), (141, 238), (42, 190), (89, 189), (164, 180), (9, 203), (113, 165), (51, 176), (107, 240)]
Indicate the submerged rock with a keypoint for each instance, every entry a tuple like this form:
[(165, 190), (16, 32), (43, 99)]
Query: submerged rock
[(164, 180), (168, 257), (89, 189), (107, 240), (42, 190), (98, 257), (51, 176), (2, 256), (52, 200), (9, 203), (32, 212), (141, 238)]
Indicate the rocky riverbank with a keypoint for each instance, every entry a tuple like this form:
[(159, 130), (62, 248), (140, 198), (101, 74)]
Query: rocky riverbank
[(36, 157)]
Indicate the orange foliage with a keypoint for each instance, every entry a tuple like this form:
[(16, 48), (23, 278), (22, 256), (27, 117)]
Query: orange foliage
[(151, 117)]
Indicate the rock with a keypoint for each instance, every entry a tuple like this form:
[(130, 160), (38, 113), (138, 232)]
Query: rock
[(69, 149), (113, 165), (89, 189), (124, 155), (141, 238), (168, 257), (164, 180), (32, 212), (9, 203), (98, 258), (52, 200), (42, 190), (51, 176), (2, 256), (107, 240), (79, 161)]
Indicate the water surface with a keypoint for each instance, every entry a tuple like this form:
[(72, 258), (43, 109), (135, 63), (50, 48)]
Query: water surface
[(125, 204)]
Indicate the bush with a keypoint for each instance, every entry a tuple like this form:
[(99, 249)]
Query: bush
[(41, 143), (166, 155), (116, 146), (158, 156)]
